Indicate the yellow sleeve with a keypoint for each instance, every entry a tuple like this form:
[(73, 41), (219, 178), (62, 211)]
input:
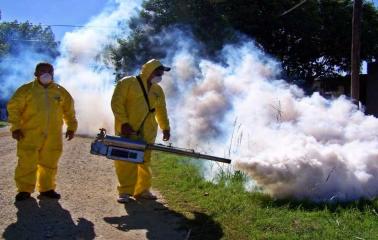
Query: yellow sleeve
[(118, 102), (16, 107), (69, 112), (161, 112)]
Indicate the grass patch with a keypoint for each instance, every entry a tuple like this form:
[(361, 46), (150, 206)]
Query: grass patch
[(226, 211), (3, 124)]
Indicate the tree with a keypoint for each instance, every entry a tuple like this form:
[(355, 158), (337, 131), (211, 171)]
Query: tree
[(20, 45), (16, 37), (197, 18), (312, 41)]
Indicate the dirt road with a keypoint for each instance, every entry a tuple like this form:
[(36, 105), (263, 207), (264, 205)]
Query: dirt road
[(88, 208)]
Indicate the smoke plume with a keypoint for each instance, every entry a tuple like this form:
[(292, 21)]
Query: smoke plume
[(306, 147), (83, 69), (290, 144)]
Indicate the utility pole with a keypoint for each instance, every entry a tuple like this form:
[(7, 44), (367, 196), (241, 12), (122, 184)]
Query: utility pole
[(355, 53)]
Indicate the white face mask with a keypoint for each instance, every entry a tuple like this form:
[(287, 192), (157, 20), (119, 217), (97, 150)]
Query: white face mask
[(45, 78), (156, 79)]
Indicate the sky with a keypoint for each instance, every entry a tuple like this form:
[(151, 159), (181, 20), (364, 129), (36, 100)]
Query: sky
[(52, 12), (56, 12)]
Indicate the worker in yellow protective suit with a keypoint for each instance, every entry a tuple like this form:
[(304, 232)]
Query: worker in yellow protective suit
[(137, 116), (36, 113)]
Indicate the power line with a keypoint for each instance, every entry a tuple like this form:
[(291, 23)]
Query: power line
[(55, 25), (28, 40), (291, 9), (65, 25), (73, 26), (61, 25)]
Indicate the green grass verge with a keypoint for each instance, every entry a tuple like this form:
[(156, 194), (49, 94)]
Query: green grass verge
[(226, 211), (3, 124)]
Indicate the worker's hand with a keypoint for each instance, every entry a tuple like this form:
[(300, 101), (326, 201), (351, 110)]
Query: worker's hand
[(127, 130), (17, 134), (70, 134), (166, 135)]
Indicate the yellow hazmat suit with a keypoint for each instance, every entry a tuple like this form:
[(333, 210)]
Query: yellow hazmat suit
[(39, 113), (129, 106)]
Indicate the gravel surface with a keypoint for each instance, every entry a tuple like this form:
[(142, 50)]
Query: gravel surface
[(88, 207)]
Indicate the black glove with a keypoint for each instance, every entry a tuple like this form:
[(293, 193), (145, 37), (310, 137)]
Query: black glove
[(17, 134), (127, 130), (70, 134), (166, 135)]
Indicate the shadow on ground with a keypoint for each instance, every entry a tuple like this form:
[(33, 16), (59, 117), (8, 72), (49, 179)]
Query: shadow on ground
[(163, 223), (47, 219)]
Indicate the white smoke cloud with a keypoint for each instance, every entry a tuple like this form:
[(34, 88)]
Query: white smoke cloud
[(290, 144), (84, 72)]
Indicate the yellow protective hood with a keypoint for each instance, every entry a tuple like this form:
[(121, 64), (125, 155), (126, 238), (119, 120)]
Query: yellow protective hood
[(149, 67)]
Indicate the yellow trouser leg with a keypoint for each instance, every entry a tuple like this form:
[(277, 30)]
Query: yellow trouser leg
[(127, 174), (144, 174), (25, 173), (47, 169)]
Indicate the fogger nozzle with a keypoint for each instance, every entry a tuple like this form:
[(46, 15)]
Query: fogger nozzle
[(121, 148)]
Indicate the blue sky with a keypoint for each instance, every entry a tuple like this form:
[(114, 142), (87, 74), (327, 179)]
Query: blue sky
[(56, 12), (52, 12)]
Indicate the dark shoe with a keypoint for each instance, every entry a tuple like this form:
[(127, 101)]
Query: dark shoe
[(50, 194), (124, 198), (147, 195), (21, 196)]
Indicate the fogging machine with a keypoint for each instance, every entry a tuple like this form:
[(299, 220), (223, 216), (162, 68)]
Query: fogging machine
[(125, 149)]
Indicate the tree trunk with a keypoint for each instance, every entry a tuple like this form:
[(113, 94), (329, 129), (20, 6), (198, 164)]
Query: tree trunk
[(355, 68)]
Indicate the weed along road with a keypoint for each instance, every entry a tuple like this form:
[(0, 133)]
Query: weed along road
[(88, 207)]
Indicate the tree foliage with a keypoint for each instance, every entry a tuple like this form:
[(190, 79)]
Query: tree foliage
[(312, 41), (16, 37), (22, 44), (196, 17)]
